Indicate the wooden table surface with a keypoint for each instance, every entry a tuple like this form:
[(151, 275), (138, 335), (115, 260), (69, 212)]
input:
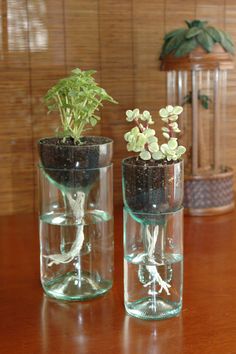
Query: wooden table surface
[(31, 323)]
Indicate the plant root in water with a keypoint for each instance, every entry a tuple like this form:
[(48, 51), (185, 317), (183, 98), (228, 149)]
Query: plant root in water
[(152, 269), (77, 206)]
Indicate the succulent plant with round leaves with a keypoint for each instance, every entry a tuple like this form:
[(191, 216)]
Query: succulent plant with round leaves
[(142, 139), (182, 41)]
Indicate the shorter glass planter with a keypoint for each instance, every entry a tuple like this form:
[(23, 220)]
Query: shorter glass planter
[(76, 232), (152, 188), (153, 264)]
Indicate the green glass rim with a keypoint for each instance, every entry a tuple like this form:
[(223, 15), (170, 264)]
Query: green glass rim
[(41, 167), (152, 215)]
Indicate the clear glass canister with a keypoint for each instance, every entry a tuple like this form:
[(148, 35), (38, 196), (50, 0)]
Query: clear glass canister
[(76, 231), (153, 264)]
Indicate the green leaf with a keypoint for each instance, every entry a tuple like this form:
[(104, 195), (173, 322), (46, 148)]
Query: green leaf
[(213, 32), (173, 118), (188, 98), (226, 44), (130, 147), (188, 23), (173, 33), (135, 131), (229, 38), (165, 120), (152, 139), (149, 132), (93, 121), (136, 112), (172, 143), (170, 152), (169, 108), (164, 148), (145, 155), (204, 101), (181, 150), (153, 147), (198, 23), (173, 43), (158, 155), (206, 41), (192, 32), (186, 47), (177, 110), (137, 148), (174, 125), (165, 129), (126, 136), (163, 113), (129, 113), (52, 107), (166, 135), (141, 139), (146, 116)]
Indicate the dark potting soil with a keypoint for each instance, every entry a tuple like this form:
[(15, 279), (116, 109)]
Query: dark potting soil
[(151, 186), (72, 165), (84, 141)]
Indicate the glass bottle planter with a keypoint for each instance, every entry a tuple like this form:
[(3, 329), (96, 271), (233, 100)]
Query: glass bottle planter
[(76, 221), (153, 254)]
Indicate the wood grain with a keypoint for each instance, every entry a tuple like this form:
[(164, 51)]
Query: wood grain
[(41, 41), (32, 323), (115, 25)]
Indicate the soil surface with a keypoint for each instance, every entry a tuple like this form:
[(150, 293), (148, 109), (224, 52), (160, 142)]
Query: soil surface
[(84, 141)]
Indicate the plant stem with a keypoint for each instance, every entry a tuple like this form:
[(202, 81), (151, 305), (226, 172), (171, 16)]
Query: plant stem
[(62, 115), (79, 130), (171, 130), (140, 126)]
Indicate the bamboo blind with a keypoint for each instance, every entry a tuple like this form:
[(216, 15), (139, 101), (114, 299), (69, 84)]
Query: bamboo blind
[(42, 40)]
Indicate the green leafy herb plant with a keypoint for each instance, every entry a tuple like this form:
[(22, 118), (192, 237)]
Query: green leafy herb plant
[(143, 140), (76, 98)]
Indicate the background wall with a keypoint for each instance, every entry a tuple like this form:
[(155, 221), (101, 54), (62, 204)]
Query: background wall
[(42, 40)]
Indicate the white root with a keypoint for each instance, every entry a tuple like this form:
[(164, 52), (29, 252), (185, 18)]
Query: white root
[(77, 206), (152, 269)]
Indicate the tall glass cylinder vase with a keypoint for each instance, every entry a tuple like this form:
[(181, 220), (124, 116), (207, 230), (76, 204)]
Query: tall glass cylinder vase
[(76, 230), (153, 233), (201, 88)]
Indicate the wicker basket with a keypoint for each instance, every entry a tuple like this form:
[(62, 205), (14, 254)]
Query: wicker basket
[(209, 195)]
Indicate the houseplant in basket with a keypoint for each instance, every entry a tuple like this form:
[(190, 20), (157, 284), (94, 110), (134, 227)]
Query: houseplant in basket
[(76, 232), (153, 195), (198, 59)]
